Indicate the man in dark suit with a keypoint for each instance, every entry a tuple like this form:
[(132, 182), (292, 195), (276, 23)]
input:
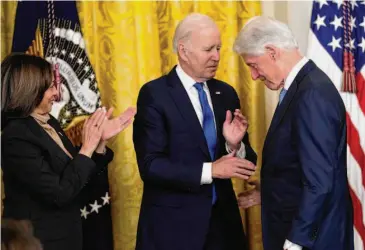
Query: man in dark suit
[(183, 131), (304, 191)]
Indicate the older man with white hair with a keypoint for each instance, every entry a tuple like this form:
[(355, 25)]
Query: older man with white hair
[(186, 140), (304, 190)]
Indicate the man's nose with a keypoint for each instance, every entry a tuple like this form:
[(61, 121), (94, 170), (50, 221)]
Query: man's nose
[(216, 55), (254, 74)]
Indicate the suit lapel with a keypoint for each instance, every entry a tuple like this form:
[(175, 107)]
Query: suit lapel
[(282, 108), (66, 142), (285, 104), (185, 107), (219, 112), (44, 138)]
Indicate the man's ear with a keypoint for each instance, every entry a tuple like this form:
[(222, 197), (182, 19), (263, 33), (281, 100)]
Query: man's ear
[(182, 50), (272, 51)]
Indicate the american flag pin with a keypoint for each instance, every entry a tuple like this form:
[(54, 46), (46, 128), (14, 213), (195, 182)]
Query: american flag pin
[(218, 93)]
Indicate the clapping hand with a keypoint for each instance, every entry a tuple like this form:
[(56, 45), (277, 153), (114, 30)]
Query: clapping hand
[(113, 126), (92, 132)]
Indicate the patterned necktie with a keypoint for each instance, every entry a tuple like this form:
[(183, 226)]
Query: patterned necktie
[(208, 125), (282, 94)]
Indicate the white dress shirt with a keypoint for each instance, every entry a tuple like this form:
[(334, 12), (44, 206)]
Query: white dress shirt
[(193, 94), (294, 72), (288, 245)]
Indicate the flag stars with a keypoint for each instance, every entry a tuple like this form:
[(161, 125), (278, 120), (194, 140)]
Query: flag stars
[(56, 50), (79, 111), (72, 55), (363, 23), (320, 21), (352, 23), (73, 104), (95, 207), (321, 3), (63, 52), (337, 22), (335, 43), (362, 44), (106, 198), (351, 45), (87, 67), (338, 2), (80, 61), (92, 76), (354, 4), (67, 113), (84, 212)]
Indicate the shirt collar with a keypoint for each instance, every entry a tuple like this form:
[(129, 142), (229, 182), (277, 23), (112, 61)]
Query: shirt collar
[(294, 72), (186, 80)]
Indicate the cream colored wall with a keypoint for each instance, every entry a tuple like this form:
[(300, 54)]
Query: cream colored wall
[(297, 15)]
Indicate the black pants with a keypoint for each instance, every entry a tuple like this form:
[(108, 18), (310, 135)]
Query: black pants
[(220, 235), (215, 238)]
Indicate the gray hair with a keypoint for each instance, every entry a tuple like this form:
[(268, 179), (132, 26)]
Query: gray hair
[(188, 25), (262, 31)]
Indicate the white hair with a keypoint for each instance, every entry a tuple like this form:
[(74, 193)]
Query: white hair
[(261, 31), (188, 25)]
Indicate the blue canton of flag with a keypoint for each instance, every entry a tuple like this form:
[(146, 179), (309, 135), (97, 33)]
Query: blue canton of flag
[(327, 24)]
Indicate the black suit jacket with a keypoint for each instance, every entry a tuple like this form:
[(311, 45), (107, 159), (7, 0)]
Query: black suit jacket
[(171, 149), (42, 184)]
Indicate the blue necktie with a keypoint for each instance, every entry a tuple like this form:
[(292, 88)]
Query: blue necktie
[(208, 126), (282, 94)]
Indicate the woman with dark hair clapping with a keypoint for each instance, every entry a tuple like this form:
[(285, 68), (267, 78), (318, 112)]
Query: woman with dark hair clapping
[(43, 172)]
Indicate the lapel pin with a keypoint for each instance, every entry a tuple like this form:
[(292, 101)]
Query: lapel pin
[(218, 93)]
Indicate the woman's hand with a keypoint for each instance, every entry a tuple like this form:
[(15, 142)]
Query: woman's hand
[(117, 124), (92, 132)]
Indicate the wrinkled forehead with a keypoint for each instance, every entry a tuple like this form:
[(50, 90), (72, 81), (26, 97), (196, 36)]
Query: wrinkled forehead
[(205, 35)]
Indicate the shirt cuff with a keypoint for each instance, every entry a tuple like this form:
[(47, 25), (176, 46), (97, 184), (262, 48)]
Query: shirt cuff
[(291, 246), (241, 153), (206, 173)]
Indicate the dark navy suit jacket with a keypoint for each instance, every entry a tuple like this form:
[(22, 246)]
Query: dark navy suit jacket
[(304, 188), (171, 149)]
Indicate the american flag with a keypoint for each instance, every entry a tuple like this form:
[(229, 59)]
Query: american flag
[(338, 27)]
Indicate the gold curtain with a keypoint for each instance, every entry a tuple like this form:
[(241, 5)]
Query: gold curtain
[(130, 43)]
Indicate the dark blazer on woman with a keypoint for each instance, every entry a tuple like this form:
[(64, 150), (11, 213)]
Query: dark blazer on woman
[(42, 183)]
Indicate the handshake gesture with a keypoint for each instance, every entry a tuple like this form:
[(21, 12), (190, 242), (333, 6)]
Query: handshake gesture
[(100, 127), (229, 166)]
